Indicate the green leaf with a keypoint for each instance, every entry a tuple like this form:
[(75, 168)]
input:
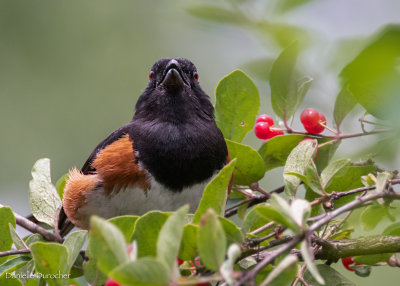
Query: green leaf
[(372, 259), (188, 250), (332, 169), (215, 193), (107, 244), (6, 218), (325, 153), (254, 219), (372, 77), (382, 180), (308, 260), (272, 214), (18, 242), (232, 231), (237, 105), (287, 262), (332, 277), (211, 241), (51, 258), (250, 166), (147, 230), (170, 238), (74, 243), (346, 179), (287, 92), (297, 162), (60, 185), (393, 229), (216, 14), (126, 224), (33, 238), (14, 263), (372, 215), (345, 102), (275, 151), (44, 200), (311, 178), (145, 271)]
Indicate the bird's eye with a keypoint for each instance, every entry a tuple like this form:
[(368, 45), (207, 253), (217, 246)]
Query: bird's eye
[(151, 75), (196, 76)]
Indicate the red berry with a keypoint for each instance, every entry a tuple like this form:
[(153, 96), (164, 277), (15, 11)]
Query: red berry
[(311, 120), (262, 130), (278, 235), (111, 282), (347, 261), (179, 261), (265, 118)]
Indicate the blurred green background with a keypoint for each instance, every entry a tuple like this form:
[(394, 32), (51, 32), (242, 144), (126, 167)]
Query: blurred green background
[(71, 71)]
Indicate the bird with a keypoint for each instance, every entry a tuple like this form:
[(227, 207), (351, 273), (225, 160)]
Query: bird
[(161, 160)]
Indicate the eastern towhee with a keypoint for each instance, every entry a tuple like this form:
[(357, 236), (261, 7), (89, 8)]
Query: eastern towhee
[(160, 160)]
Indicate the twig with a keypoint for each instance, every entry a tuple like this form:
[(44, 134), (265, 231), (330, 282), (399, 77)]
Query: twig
[(299, 276), (359, 201), (256, 187), (338, 195), (253, 201), (339, 136), (256, 241), (34, 228), (14, 252)]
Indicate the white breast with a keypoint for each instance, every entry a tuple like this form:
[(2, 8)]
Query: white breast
[(135, 201)]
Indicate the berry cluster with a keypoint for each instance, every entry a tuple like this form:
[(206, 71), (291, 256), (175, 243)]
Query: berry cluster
[(314, 122), (265, 129)]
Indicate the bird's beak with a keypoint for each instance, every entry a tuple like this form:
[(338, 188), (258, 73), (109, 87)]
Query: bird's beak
[(173, 75)]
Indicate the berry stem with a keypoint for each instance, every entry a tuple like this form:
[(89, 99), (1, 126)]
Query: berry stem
[(341, 136), (327, 143), (326, 126)]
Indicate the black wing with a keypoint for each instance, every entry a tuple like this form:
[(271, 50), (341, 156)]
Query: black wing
[(64, 225), (117, 134)]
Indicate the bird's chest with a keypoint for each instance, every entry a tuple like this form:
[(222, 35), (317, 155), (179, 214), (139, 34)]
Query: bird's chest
[(136, 201), (179, 156)]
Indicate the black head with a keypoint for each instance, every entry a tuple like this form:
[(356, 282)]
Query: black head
[(174, 133), (173, 93)]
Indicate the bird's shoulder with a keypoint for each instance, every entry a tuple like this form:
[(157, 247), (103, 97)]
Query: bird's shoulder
[(109, 140)]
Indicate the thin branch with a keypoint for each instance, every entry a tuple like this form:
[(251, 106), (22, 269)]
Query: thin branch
[(338, 195), (264, 227), (357, 202), (253, 201), (14, 252), (34, 228), (339, 136)]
